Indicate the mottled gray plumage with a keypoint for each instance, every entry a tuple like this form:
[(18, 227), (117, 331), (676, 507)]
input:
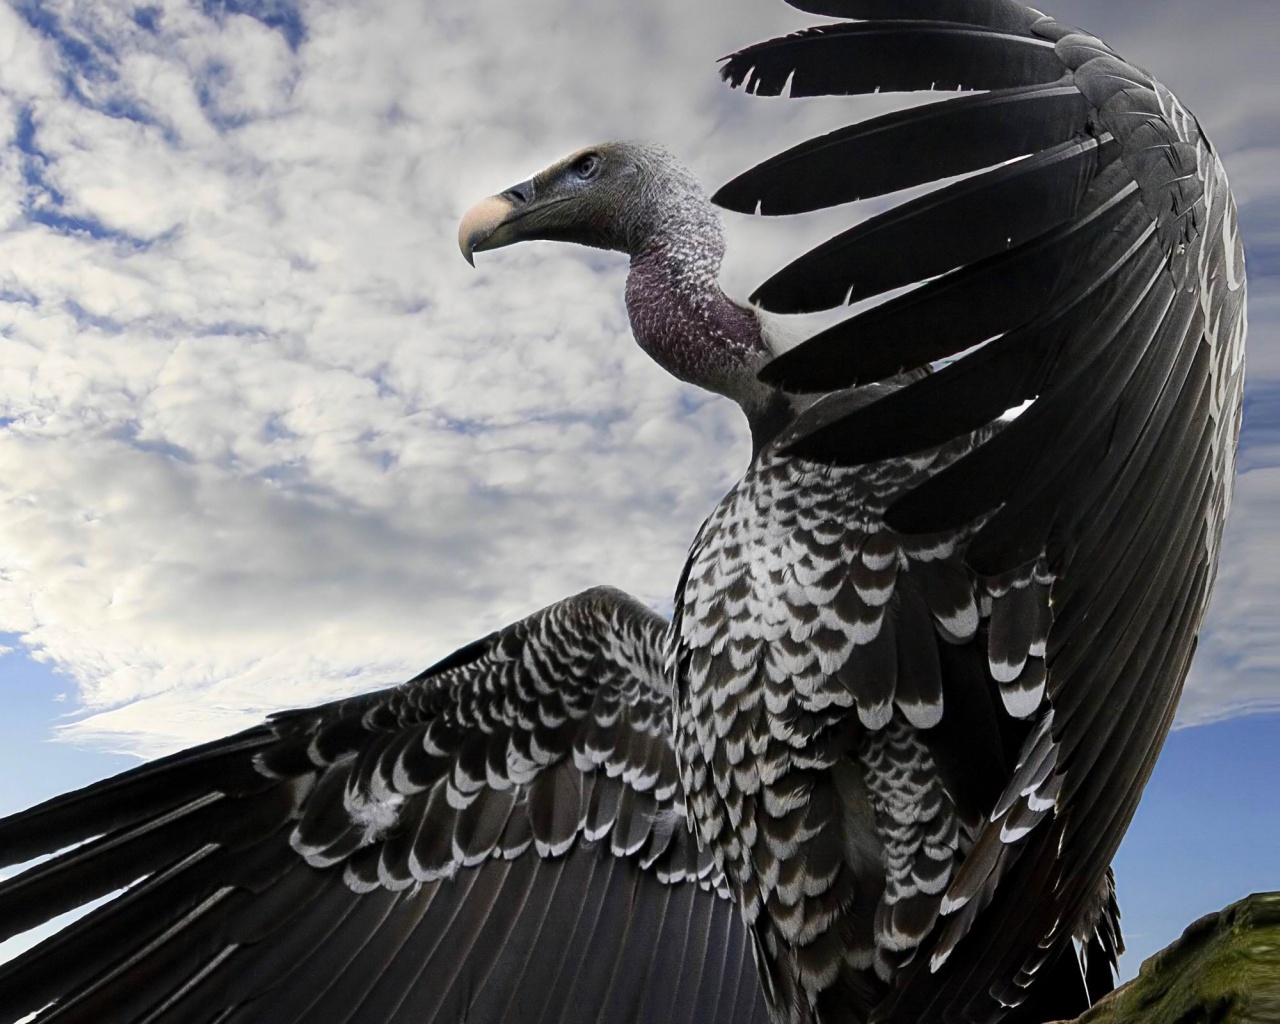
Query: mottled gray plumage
[(923, 654), (809, 669)]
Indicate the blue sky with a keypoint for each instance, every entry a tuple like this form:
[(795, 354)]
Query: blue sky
[(265, 439)]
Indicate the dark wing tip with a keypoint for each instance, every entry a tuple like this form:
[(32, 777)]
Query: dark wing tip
[(736, 68), (738, 195)]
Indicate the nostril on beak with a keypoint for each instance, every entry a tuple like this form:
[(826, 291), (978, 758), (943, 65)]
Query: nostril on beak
[(519, 194)]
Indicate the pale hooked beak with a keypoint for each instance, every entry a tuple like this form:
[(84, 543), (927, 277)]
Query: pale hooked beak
[(485, 225)]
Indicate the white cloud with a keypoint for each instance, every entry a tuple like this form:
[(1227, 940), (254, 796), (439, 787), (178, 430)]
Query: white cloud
[(272, 440)]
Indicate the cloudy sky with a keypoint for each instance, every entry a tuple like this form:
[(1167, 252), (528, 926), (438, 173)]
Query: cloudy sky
[(265, 438)]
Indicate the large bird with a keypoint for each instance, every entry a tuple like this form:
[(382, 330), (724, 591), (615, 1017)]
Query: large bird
[(923, 655)]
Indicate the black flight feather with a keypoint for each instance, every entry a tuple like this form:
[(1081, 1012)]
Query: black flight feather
[(952, 314), (891, 56), (1003, 15), (909, 147), (960, 224)]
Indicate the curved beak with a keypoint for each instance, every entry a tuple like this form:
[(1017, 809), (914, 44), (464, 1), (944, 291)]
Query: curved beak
[(487, 225)]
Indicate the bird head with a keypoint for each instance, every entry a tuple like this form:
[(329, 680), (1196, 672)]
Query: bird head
[(614, 195), (636, 198)]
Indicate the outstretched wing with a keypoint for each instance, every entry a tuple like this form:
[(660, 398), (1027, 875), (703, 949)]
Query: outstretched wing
[(1095, 270), (502, 838)]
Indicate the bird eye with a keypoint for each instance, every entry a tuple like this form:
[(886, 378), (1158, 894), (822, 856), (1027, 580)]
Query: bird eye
[(587, 166)]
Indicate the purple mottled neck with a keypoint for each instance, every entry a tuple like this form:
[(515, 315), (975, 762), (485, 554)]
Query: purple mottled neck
[(683, 320)]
